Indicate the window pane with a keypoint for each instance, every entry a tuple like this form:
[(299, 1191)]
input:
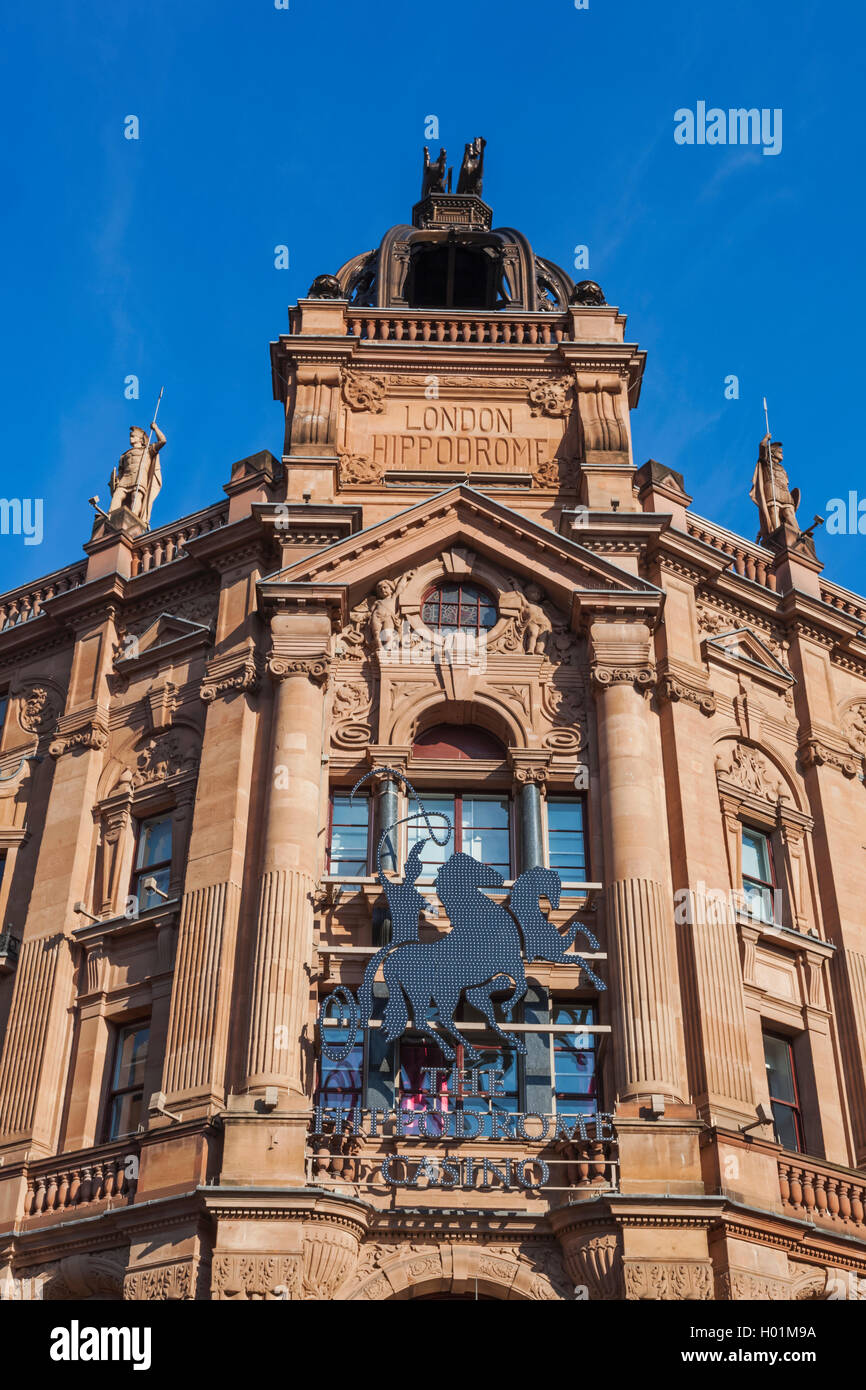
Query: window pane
[(566, 845), (574, 1062), (459, 607), (785, 1126), (350, 835), (780, 1076), (351, 812), (340, 1083), (154, 841), (756, 856), (434, 855), (759, 901), (131, 1056), (484, 811), (125, 1116)]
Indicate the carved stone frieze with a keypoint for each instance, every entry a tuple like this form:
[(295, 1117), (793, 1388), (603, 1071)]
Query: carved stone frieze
[(668, 1280), (256, 1278), (175, 1282), (748, 770), (163, 757), (741, 1285)]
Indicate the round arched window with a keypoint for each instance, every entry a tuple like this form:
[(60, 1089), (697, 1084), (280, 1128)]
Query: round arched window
[(458, 608)]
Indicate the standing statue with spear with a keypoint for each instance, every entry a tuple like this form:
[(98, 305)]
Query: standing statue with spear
[(137, 479), (776, 501)]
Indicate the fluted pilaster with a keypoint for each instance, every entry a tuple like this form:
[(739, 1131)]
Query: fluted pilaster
[(198, 1026), (27, 1033)]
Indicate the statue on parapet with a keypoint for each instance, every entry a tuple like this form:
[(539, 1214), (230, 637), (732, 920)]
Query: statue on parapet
[(433, 174), (776, 501), (472, 168), (136, 481)]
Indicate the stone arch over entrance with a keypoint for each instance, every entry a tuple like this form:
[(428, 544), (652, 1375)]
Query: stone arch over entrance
[(458, 1271)]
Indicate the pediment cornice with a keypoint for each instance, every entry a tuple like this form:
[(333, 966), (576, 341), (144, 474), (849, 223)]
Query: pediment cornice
[(575, 579)]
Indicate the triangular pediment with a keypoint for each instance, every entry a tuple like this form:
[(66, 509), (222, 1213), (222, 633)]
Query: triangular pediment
[(743, 650), (166, 637), (568, 572)]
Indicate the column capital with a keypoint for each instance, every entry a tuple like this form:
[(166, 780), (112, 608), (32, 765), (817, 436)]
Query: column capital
[(621, 652), (381, 755), (530, 765), (316, 668)]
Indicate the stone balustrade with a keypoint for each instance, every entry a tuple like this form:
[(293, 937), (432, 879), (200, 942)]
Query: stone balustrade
[(346, 1158), (823, 1193), (509, 330), (746, 560), (157, 548), (80, 1180), (24, 604), (844, 602)]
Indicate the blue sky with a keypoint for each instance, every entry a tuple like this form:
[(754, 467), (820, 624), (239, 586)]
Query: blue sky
[(305, 127)]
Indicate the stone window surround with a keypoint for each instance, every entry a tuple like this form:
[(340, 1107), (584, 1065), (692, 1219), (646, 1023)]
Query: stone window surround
[(117, 817), (102, 1006), (789, 832)]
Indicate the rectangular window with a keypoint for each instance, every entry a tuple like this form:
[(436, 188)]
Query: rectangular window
[(566, 842), (4, 705), (342, 1083), (418, 1054), (784, 1097), (479, 826), (127, 1082), (759, 879), (349, 835), (152, 860), (574, 1062)]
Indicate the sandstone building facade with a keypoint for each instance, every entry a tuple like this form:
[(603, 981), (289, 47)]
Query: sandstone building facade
[(456, 571)]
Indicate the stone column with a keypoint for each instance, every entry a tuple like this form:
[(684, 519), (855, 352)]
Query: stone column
[(291, 844), (647, 1039), (530, 769)]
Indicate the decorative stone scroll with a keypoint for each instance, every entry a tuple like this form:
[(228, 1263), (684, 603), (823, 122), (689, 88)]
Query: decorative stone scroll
[(363, 392)]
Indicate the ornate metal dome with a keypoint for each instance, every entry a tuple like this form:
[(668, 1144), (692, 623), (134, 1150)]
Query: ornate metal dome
[(451, 257)]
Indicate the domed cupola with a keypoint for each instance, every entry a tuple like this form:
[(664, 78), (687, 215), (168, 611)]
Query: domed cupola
[(451, 257)]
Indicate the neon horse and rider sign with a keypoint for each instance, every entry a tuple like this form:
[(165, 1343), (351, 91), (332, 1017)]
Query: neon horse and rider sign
[(480, 960)]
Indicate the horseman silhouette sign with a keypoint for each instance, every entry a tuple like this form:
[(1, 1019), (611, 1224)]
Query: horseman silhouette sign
[(482, 956), (481, 961)]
